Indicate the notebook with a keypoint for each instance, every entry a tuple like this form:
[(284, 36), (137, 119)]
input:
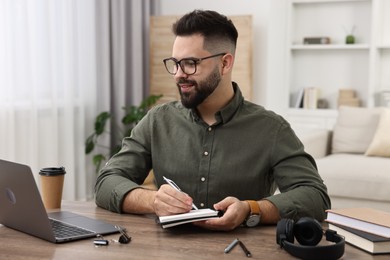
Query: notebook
[(22, 209)]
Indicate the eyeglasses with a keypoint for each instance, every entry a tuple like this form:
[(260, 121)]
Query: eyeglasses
[(187, 65)]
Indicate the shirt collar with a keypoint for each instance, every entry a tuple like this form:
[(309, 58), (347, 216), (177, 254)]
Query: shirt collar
[(225, 114)]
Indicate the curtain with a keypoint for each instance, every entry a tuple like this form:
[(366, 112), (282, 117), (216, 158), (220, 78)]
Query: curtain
[(48, 86), (61, 63), (122, 37)]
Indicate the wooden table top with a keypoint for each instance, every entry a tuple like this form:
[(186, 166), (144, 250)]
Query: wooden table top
[(150, 241)]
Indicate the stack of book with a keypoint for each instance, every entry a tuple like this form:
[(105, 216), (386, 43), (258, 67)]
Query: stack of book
[(307, 98), (347, 97), (365, 228)]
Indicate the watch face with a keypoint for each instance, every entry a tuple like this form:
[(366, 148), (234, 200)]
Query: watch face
[(253, 220)]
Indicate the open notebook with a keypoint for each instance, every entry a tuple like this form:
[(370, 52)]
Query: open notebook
[(192, 216)]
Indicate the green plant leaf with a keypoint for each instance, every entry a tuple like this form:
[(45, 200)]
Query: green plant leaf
[(97, 161), (90, 144), (100, 122), (98, 158), (150, 101), (133, 114)]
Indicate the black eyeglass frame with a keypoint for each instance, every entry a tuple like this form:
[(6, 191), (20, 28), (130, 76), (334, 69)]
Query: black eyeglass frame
[(195, 60)]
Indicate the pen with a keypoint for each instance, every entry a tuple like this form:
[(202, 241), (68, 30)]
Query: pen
[(173, 185), (246, 251), (231, 245)]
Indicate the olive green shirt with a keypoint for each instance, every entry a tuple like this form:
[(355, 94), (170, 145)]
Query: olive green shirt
[(247, 154)]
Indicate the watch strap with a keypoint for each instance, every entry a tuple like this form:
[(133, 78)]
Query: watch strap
[(254, 206)]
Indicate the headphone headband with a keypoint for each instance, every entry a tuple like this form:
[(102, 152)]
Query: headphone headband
[(309, 251)]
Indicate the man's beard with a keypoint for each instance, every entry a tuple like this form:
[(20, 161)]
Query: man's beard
[(200, 90)]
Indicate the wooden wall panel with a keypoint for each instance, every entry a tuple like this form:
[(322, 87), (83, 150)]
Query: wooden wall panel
[(161, 42)]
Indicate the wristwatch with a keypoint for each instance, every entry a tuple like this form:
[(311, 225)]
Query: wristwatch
[(254, 216)]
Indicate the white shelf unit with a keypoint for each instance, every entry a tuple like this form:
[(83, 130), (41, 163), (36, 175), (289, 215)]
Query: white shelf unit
[(363, 66), (330, 47)]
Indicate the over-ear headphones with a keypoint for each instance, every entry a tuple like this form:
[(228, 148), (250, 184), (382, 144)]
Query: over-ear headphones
[(308, 232)]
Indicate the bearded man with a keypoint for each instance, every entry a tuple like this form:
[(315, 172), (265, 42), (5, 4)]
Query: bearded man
[(224, 152)]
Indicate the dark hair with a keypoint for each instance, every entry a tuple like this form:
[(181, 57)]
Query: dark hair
[(218, 31)]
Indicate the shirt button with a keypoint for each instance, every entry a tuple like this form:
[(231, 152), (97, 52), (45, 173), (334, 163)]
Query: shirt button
[(210, 129), (203, 179), (206, 153), (202, 205)]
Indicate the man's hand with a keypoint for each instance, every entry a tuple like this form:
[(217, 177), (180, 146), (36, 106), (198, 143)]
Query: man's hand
[(169, 201), (236, 212)]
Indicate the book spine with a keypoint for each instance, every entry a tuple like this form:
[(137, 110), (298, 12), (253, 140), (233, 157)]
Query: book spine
[(310, 98)]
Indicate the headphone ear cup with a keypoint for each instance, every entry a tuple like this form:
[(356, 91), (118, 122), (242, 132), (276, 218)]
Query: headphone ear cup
[(308, 231), (285, 231)]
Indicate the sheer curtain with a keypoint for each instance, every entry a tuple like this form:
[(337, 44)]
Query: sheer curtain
[(48, 85), (61, 63)]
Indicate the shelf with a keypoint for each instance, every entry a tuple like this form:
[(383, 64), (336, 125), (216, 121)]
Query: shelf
[(361, 67), (384, 47), (325, 1), (330, 47)]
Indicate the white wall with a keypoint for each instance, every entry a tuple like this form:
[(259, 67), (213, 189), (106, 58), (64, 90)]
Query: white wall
[(268, 41)]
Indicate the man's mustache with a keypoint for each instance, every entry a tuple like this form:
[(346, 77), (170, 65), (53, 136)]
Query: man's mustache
[(186, 81)]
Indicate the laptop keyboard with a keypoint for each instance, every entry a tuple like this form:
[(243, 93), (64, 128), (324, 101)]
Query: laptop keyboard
[(63, 230)]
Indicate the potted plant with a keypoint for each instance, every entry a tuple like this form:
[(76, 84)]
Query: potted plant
[(350, 38), (133, 114)]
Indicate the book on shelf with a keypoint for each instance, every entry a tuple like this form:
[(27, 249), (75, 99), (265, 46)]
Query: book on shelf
[(365, 219), (192, 216), (310, 97), (299, 98), (316, 40), (368, 242), (347, 97)]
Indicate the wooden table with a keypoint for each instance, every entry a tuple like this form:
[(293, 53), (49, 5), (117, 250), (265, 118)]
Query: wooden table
[(150, 241)]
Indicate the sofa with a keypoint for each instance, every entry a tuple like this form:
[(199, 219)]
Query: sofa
[(353, 158)]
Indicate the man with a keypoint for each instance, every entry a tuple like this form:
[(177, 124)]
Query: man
[(222, 151)]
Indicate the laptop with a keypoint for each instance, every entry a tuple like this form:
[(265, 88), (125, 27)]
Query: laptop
[(21, 208)]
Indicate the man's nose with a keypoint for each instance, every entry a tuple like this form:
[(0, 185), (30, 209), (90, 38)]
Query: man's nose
[(180, 73)]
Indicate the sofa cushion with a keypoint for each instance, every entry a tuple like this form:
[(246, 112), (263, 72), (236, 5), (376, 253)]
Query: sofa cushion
[(357, 176), (380, 145), (355, 127)]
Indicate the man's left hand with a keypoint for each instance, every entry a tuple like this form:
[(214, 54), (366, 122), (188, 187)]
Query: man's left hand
[(235, 210)]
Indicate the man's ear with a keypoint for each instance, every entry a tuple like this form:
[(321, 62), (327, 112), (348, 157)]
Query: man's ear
[(227, 63)]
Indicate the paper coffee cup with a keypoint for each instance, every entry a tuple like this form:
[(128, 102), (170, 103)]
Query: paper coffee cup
[(52, 183)]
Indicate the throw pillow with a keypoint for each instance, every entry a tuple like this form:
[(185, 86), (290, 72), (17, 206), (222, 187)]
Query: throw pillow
[(355, 127), (380, 145)]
